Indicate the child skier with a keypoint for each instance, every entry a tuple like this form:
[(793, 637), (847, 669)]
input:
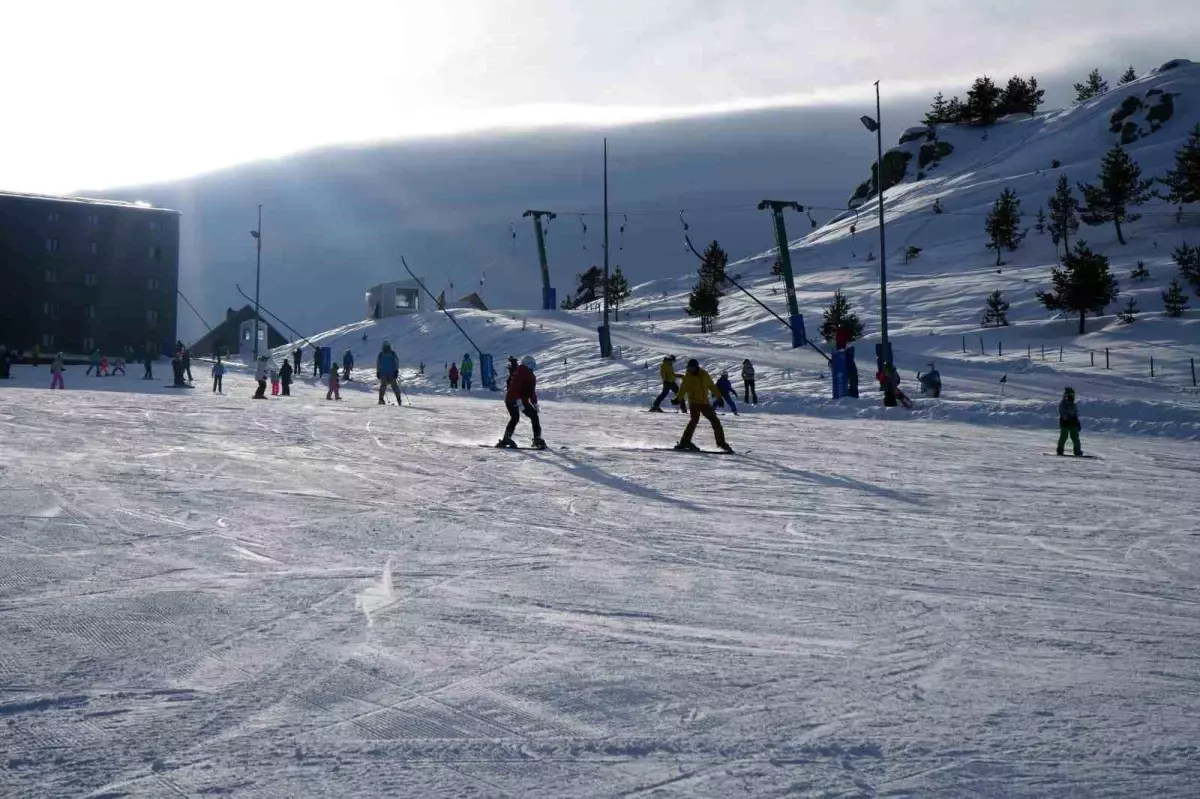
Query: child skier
[(119, 366), (696, 388), (1068, 422), (453, 375), (334, 385), (666, 370), (274, 375), (218, 372), (285, 378), (56, 370), (347, 365), (103, 367), (521, 397), (726, 389)]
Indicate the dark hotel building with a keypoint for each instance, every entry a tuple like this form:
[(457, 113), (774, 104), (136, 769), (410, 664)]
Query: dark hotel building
[(78, 274)]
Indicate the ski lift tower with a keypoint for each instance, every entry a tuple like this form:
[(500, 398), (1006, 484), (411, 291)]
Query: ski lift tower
[(549, 299)]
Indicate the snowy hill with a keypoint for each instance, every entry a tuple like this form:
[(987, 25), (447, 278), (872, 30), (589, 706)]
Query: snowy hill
[(935, 302)]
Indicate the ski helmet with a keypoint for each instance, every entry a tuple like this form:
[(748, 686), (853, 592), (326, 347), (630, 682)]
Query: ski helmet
[(724, 374), (529, 363), (693, 364), (387, 345), (1069, 391)]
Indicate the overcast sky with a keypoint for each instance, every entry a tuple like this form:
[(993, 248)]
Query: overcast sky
[(123, 92)]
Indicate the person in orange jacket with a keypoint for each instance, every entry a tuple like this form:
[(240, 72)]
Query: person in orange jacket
[(698, 390)]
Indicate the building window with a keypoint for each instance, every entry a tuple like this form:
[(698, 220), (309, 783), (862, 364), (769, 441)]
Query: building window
[(47, 341), (156, 253), (50, 309), (52, 216), (93, 220), (89, 344), (51, 245), (91, 279), (153, 284), (91, 313), (51, 275), (154, 224), (152, 318), (95, 248)]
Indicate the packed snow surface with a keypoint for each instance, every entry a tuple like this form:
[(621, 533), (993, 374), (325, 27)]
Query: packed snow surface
[(203, 595)]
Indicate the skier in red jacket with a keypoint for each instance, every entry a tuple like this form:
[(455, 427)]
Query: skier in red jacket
[(521, 397)]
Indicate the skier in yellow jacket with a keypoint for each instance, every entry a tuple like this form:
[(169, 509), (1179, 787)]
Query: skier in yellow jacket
[(698, 389), (666, 370)]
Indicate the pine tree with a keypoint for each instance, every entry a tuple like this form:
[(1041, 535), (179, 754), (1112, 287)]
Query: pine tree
[(618, 291), (587, 290), (1003, 222), (1187, 258), (1140, 273), (1129, 77), (839, 315), (956, 110), (983, 100), (1014, 97), (705, 300), (997, 310), (1034, 99), (1084, 284), (1064, 217), (1129, 312), (1121, 188), (1183, 182), (1040, 224), (1175, 300), (938, 112), (1094, 86)]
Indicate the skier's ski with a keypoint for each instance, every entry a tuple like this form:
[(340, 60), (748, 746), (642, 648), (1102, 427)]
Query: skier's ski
[(1069, 457)]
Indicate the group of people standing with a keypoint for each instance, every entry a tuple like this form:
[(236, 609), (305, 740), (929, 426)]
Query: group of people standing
[(456, 375), (697, 393)]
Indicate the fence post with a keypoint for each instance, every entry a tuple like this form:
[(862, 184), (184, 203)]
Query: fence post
[(1060, 353), (1043, 352), (1152, 366), (1193, 360), (1106, 366), (964, 343), (1000, 348), (1092, 355), (982, 349), (1029, 351)]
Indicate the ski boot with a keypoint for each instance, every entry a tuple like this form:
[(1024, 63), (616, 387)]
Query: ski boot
[(726, 448), (539, 443), (381, 402), (656, 409), (687, 446), (506, 443)]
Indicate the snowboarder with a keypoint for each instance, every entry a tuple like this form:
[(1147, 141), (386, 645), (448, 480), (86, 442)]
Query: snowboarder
[(387, 370), (218, 372), (119, 366), (467, 369), (273, 373), (666, 370), (94, 363), (931, 382), (260, 374), (347, 365), (696, 388), (285, 378), (726, 389), (1068, 422), (298, 356), (334, 385), (749, 394), (56, 372), (453, 374), (521, 397)]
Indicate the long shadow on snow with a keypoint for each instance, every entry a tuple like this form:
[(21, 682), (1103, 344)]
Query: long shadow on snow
[(834, 481), (596, 475)]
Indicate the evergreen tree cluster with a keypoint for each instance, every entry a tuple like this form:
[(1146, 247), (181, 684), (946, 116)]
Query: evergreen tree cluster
[(618, 291), (1084, 284), (1187, 258), (839, 315), (1003, 224), (589, 285), (704, 302), (1093, 87), (986, 102), (1183, 182), (1121, 187)]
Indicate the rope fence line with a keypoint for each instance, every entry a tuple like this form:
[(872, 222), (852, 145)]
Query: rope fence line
[(1148, 361)]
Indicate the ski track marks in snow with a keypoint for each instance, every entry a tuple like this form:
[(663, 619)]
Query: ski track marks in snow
[(304, 599)]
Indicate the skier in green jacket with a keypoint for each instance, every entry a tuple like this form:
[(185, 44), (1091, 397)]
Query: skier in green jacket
[(1068, 422)]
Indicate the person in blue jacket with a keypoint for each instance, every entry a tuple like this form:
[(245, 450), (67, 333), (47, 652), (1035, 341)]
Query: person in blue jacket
[(726, 389), (387, 369), (347, 365)]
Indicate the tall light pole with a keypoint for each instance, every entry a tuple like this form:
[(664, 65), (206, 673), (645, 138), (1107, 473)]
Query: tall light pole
[(257, 234), (876, 126), (607, 333)]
